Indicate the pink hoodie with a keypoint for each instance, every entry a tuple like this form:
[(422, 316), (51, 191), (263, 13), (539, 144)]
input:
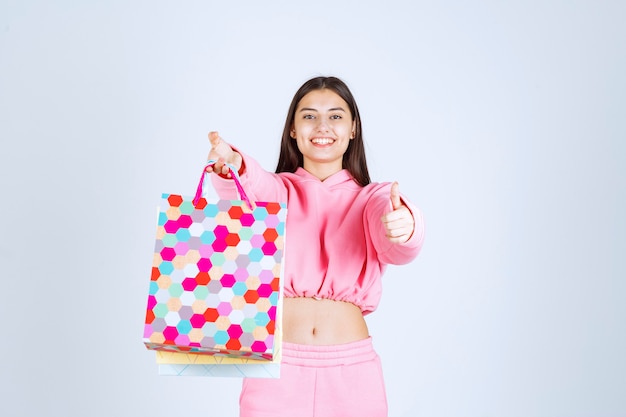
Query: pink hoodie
[(335, 243)]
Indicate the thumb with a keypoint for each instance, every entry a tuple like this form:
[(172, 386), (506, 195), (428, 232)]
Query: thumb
[(395, 196), (214, 138)]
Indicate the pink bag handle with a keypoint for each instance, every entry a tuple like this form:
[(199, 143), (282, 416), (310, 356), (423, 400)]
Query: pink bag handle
[(234, 173)]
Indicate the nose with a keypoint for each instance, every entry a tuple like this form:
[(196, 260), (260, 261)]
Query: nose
[(322, 126)]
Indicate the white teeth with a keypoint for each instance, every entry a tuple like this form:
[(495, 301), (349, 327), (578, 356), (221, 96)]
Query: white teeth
[(322, 141)]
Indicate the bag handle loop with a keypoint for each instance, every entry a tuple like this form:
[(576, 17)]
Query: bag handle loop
[(236, 179)]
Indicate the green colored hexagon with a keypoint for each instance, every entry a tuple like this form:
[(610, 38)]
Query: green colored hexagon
[(169, 240), (201, 292), (217, 259), (245, 233), (176, 289), (160, 310), (186, 207), (248, 325)]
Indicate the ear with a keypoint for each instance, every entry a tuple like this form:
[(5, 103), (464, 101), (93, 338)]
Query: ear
[(292, 132), (353, 134)]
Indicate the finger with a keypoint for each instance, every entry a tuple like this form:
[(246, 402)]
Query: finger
[(395, 196)]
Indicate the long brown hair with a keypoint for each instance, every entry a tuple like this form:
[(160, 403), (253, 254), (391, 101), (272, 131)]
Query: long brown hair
[(290, 158)]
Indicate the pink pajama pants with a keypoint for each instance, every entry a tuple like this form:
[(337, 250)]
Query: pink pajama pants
[(320, 381)]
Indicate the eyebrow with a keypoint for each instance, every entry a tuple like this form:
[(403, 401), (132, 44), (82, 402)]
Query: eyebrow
[(312, 109)]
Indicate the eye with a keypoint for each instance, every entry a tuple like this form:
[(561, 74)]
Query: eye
[(336, 117), (308, 117)]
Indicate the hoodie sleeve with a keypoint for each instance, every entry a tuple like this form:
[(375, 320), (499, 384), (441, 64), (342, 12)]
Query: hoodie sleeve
[(259, 184), (389, 252)]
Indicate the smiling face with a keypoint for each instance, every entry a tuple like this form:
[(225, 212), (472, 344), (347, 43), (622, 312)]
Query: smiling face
[(322, 128)]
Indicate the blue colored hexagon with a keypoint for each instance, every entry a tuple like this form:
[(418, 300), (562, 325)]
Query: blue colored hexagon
[(207, 237), (260, 213), (154, 287), (261, 319), (221, 337), (211, 210), (240, 288), (256, 254), (184, 327), (274, 298), (166, 268), (183, 235)]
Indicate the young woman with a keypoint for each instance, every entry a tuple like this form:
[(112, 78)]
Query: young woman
[(342, 231)]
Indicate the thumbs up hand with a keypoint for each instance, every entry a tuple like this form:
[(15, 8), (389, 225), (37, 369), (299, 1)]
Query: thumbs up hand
[(399, 223)]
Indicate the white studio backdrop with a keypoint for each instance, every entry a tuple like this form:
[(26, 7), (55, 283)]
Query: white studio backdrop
[(503, 121)]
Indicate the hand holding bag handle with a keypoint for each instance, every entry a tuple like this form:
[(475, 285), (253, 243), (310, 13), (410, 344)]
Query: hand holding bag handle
[(200, 190)]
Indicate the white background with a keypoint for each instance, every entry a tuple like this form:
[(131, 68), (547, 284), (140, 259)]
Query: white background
[(504, 121)]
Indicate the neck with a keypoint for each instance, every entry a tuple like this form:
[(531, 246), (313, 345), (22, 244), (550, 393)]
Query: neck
[(322, 171)]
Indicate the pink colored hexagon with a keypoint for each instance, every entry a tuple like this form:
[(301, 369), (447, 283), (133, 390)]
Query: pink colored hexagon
[(269, 248), (220, 232), (197, 321), (182, 248), (258, 346), (257, 241), (272, 220), (235, 331), (266, 276), (219, 245), (168, 254), (265, 290), (241, 274), (171, 226), (170, 333), (224, 308), (247, 219), (204, 264), (189, 284), (182, 340), (228, 281), (184, 221)]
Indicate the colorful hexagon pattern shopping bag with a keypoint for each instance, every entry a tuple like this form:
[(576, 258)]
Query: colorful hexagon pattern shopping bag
[(215, 281)]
